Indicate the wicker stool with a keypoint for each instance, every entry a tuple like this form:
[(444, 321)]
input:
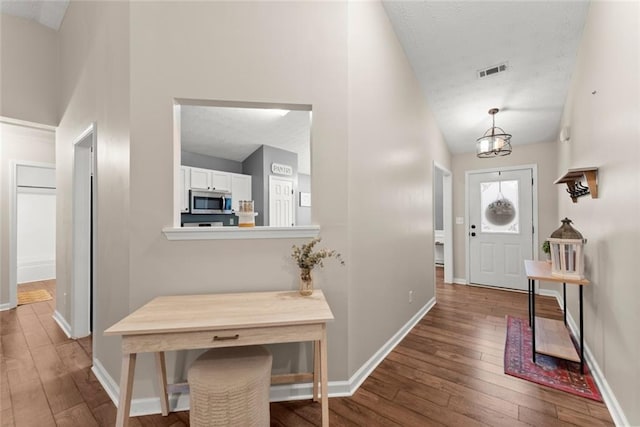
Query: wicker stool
[(230, 387)]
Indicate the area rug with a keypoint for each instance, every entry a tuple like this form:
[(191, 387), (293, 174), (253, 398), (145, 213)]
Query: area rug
[(549, 371), (28, 297)]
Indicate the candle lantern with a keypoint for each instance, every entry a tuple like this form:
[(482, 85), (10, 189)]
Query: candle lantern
[(567, 252)]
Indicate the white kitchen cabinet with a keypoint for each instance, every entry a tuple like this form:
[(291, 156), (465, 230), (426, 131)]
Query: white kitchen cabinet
[(220, 180), (240, 189), (200, 179), (185, 185), (207, 179)]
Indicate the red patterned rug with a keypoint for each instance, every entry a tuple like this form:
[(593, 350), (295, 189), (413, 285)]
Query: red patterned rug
[(552, 372)]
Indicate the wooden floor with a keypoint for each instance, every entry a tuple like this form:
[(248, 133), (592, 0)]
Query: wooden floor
[(447, 371)]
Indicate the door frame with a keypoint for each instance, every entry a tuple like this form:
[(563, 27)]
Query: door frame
[(293, 198), (13, 225), (82, 272), (447, 218), (534, 206)]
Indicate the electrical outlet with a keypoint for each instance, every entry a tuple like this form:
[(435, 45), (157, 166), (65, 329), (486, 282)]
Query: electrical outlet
[(410, 297), (232, 221)]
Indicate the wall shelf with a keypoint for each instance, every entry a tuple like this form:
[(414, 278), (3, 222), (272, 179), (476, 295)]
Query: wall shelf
[(573, 178)]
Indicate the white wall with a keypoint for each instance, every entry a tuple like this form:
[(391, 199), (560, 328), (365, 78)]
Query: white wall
[(29, 77), (17, 143), (393, 141), (292, 52), (543, 155), (281, 52), (94, 58), (603, 111)]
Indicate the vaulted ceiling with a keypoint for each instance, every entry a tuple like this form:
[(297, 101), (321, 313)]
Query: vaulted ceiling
[(448, 43)]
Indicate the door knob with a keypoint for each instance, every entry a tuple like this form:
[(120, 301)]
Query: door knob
[(473, 226), (473, 234)]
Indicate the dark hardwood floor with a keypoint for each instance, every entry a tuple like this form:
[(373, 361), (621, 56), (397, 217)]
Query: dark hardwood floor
[(447, 371)]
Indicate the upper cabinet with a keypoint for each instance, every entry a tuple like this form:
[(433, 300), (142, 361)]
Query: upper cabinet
[(200, 178), (207, 179), (220, 180)]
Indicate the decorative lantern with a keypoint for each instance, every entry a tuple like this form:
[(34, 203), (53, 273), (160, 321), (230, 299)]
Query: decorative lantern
[(567, 254)]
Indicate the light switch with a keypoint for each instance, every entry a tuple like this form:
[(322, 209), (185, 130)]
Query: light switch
[(459, 220)]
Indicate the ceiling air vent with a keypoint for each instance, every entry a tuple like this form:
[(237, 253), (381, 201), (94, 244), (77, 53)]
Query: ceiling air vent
[(496, 69)]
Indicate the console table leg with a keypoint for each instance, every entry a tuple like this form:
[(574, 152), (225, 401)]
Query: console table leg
[(126, 387), (533, 318), (161, 375), (316, 369), (324, 378), (564, 302), (529, 296), (581, 336)]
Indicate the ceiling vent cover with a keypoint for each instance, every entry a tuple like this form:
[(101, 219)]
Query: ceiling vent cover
[(493, 70)]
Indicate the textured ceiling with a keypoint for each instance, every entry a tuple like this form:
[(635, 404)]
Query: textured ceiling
[(447, 42), (47, 12), (235, 133)]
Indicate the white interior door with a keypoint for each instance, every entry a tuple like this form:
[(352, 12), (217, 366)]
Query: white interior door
[(281, 199), (500, 227)]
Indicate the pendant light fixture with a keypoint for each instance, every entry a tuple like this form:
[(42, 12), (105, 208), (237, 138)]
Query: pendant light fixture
[(495, 142)]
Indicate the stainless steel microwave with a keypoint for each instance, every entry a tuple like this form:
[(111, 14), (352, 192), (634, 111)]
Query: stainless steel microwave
[(209, 202)]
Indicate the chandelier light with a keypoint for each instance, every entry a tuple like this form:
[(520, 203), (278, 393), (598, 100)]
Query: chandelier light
[(495, 142)]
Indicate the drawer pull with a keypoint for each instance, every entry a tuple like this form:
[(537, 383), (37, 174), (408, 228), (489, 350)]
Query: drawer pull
[(232, 337)]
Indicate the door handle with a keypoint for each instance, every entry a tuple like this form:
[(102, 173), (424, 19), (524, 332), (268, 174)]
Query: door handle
[(473, 234)]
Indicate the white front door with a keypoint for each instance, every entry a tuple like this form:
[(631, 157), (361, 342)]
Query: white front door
[(281, 199), (500, 227)]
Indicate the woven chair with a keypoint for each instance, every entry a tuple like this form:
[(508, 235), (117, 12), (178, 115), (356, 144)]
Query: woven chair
[(230, 387)]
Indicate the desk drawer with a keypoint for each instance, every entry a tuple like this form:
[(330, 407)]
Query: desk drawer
[(220, 338)]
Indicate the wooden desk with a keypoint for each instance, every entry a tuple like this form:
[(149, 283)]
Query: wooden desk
[(552, 335), (185, 322)]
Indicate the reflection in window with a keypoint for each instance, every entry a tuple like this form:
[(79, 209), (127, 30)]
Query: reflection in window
[(499, 204)]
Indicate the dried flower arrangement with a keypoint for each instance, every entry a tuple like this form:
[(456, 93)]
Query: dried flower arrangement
[(307, 258)]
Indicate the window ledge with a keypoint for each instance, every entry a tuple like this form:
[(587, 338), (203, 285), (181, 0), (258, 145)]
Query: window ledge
[(232, 233)]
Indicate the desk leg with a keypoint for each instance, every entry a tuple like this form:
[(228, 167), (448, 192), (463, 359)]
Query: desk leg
[(533, 318), (126, 387), (316, 369), (324, 388), (564, 302), (161, 375), (581, 335)]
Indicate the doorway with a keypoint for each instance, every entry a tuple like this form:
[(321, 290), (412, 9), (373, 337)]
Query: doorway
[(82, 233), (281, 199), (32, 224), (502, 221), (443, 226)]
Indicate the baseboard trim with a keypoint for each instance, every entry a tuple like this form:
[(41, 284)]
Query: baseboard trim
[(278, 393), (108, 384), (368, 367), (459, 281), (5, 306), (619, 418), (60, 320)]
